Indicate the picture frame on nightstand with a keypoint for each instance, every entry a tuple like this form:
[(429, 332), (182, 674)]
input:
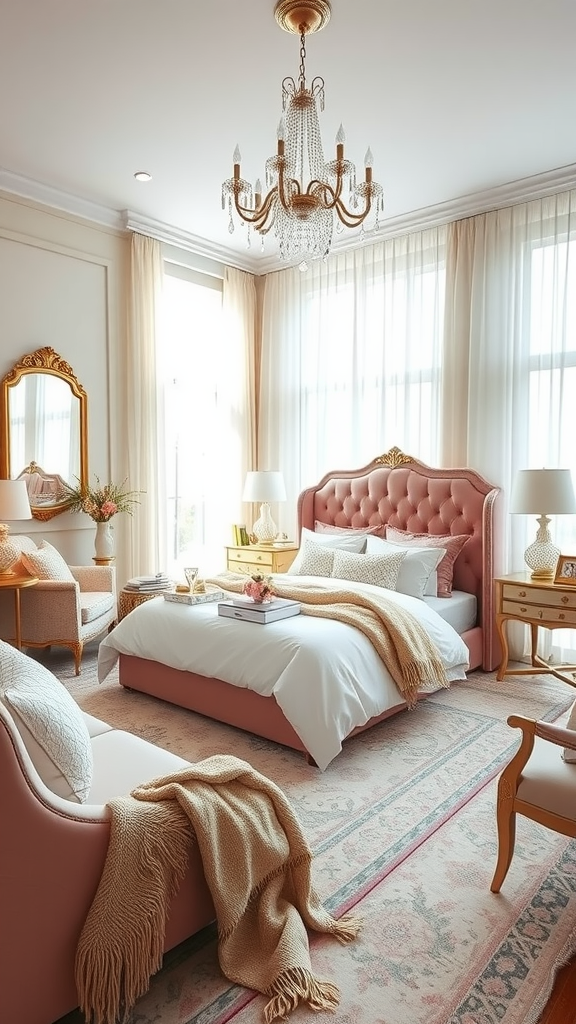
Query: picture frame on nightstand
[(566, 571)]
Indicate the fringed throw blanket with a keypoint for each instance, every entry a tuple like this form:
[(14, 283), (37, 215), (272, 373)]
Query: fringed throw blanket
[(396, 635), (257, 864)]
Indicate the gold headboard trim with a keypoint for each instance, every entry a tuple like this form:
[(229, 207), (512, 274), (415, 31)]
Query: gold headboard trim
[(394, 458)]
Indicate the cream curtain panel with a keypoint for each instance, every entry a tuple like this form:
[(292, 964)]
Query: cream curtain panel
[(351, 360), (510, 358), (237, 389), (140, 539)]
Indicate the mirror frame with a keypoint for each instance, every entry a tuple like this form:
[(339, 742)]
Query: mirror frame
[(43, 360)]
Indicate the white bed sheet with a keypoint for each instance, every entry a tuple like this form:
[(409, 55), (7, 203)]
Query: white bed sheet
[(460, 610), (324, 674)]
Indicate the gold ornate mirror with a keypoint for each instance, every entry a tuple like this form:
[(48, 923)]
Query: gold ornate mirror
[(44, 424)]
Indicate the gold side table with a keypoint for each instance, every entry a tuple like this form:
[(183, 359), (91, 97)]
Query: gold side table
[(17, 583), (537, 603)]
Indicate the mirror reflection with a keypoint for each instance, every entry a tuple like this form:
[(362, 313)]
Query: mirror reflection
[(43, 410), (44, 425)]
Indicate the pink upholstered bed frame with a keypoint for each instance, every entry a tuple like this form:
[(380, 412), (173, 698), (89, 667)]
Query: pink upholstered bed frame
[(394, 489)]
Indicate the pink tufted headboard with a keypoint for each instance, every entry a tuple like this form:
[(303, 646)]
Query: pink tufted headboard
[(403, 492)]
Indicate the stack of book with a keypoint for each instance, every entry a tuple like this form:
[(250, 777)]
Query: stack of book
[(249, 611), (240, 535), (147, 584)]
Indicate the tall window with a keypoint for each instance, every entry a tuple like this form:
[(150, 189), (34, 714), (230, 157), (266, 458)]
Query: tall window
[(352, 358), (194, 426)]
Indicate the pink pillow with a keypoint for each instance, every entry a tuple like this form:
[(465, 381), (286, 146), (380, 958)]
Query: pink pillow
[(452, 544), (364, 530)]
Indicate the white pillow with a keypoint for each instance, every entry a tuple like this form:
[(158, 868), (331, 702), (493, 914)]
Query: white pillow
[(50, 723), (46, 563), (350, 541), (379, 570), (417, 576), (569, 754)]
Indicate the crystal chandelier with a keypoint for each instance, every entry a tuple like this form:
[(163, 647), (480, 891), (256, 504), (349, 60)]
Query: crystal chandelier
[(306, 196)]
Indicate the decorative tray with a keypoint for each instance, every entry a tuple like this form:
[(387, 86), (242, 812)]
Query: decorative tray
[(211, 594)]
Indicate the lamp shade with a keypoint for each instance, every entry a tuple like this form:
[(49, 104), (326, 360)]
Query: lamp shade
[(543, 491), (14, 502), (264, 485)]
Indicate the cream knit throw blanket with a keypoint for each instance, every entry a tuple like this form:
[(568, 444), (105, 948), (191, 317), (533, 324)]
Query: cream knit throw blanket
[(397, 636), (257, 865)]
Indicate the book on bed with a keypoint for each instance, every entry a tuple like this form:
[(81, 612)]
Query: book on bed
[(271, 611)]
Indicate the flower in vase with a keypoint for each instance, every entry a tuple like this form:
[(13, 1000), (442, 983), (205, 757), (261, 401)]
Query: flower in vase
[(101, 502), (259, 588)]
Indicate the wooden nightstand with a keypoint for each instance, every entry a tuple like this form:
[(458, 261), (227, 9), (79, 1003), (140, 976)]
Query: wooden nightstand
[(536, 603), (259, 558)]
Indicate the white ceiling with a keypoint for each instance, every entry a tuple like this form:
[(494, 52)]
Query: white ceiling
[(455, 98)]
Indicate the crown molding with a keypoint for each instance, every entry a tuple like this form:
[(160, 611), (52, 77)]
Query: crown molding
[(27, 188), (523, 190), (191, 243)]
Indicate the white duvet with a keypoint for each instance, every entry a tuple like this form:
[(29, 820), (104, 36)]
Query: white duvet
[(325, 675)]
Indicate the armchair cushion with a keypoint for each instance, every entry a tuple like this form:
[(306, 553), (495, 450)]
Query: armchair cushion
[(92, 606), (46, 563), (568, 754), (50, 722)]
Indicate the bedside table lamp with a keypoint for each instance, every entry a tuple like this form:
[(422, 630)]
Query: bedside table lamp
[(264, 486), (534, 491), (14, 505)]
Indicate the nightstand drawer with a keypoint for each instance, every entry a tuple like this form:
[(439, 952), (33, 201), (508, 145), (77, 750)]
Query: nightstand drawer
[(542, 597), (540, 614), (258, 559), (249, 558)]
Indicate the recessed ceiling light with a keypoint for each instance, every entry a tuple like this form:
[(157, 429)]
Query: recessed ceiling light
[(143, 176)]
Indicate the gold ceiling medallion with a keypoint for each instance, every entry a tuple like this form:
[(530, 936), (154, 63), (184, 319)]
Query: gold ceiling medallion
[(306, 196), (394, 458)]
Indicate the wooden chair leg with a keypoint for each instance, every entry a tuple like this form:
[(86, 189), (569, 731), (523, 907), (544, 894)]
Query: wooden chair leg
[(506, 825)]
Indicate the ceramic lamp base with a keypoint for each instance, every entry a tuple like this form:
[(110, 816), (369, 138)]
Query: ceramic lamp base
[(9, 553), (542, 555), (265, 528)]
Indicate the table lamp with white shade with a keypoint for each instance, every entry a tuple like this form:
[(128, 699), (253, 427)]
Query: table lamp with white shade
[(542, 492), (14, 505), (264, 486)]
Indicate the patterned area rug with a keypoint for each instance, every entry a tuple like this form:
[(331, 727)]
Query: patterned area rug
[(402, 825)]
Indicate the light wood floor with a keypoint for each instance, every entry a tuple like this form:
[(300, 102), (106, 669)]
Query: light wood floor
[(561, 1008)]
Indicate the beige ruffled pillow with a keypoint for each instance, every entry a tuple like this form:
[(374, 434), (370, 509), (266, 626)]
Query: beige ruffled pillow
[(46, 563)]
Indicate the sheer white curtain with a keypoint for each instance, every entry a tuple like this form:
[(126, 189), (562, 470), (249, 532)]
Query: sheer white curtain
[(352, 360), (510, 367), (238, 397), (140, 539)]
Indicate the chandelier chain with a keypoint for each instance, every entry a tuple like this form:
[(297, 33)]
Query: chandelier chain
[(302, 71)]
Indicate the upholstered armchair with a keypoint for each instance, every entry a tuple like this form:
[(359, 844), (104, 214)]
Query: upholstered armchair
[(69, 606), (540, 783)]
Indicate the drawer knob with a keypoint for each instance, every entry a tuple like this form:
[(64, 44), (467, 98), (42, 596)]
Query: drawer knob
[(523, 610), (561, 616), (522, 593), (258, 558), (565, 599), (540, 615)]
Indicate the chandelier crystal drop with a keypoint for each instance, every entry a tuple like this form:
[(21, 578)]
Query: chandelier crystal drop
[(306, 197)]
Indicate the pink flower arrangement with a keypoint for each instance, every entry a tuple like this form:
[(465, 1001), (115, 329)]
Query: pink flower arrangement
[(102, 501), (259, 588)]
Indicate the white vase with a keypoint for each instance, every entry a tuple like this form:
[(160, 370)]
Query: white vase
[(104, 540)]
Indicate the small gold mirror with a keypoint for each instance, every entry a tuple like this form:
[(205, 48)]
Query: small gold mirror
[(44, 424)]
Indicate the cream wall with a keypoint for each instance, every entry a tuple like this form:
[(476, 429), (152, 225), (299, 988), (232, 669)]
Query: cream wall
[(63, 284)]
